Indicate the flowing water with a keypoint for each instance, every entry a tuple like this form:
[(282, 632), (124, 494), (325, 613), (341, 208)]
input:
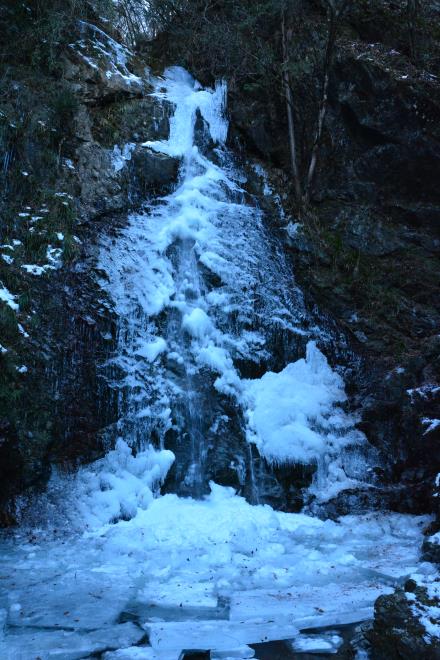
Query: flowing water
[(168, 543)]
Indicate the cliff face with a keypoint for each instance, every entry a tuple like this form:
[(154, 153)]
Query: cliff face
[(73, 164), (367, 251), (371, 254)]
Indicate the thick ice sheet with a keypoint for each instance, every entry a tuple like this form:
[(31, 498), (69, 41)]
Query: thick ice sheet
[(202, 572), (67, 644)]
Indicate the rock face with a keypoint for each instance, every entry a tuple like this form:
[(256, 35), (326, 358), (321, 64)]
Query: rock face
[(100, 170), (367, 251), (115, 115), (405, 623), (431, 545), (431, 549), (376, 267)]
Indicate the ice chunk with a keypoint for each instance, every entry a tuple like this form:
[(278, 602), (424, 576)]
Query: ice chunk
[(67, 645), (215, 635), (121, 156), (295, 416), (141, 653), (328, 642), (197, 323), (152, 350)]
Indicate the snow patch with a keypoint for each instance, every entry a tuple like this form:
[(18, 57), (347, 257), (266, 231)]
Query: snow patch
[(34, 269), (8, 298), (432, 424), (53, 256), (427, 613)]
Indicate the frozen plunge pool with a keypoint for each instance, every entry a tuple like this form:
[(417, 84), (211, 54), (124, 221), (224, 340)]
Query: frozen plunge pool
[(216, 574)]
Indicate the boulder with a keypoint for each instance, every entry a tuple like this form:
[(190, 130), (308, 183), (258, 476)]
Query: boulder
[(407, 623)]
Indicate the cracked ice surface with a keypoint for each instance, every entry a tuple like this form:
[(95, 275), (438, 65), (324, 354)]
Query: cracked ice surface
[(217, 573)]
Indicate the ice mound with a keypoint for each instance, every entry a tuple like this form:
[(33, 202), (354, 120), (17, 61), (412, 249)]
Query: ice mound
[(295, 416)]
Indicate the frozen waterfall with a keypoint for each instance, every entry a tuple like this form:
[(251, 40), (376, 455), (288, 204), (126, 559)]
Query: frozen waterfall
[(201, 288), (168, 542)]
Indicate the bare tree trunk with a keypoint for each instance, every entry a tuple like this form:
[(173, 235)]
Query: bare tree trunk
[(328, 60), (411, 10), (128, 21), (289, 109)]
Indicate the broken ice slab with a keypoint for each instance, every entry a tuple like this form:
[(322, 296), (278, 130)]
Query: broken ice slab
[(147, 612), (176, 600), (323, 642), (178, 593), (82, 600), (215, 635), (316, 606), (240, 653), (148, 653), (67, 645), (141, 653)]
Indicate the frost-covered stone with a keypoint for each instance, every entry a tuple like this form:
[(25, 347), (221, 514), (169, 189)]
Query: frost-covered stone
[(407, 623)]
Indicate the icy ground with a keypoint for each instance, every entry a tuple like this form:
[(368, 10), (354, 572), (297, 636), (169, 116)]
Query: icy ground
[(217, 574)]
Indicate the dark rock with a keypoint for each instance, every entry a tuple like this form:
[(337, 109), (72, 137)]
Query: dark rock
[(254, 123), (431, 550), (64, 406), (11, 468), (398, 632), (101, 191), (368, 254), (153, 171), (431, 544), (195, 655), (94, 70)]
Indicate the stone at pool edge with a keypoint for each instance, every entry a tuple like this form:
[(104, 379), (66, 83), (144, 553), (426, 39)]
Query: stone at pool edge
[(397, 634)]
